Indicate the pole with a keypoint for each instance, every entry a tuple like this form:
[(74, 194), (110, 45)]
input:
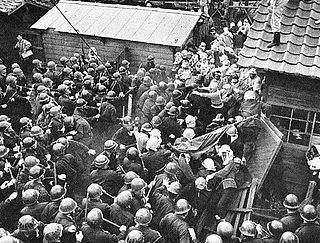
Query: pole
[(110, 222), (86, 207), (55, 173), (108, 194), (129, 105)]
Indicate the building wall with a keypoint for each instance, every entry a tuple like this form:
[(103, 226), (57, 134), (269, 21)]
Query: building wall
[(296, 102), (58, 44)]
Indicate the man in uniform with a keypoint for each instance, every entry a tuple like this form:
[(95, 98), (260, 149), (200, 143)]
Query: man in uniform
[(292, 220)]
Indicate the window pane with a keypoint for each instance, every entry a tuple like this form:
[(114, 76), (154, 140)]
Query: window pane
[(300, 114), (298, 125), (281, 111), (299, 138), (280, 123)]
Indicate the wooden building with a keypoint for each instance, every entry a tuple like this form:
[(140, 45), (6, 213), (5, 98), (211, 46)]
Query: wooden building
[(16, 17), (113, 28), (292, 85)]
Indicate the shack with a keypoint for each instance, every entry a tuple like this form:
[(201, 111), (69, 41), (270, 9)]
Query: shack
[(292, 73), (112, 29), (16, 17)]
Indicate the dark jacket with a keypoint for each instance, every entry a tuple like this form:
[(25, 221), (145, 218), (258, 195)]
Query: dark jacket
[(91, 235)]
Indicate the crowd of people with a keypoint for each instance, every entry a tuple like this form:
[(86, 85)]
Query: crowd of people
[(144, 186)]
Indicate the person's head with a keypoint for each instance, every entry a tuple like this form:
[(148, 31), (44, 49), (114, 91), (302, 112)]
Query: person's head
[(309, 213), (95, 218), (213, 238), (52, 232), (289, 237), (248, 229), (28, 225), (19, 37), (67, 206), (182, 207), (127, 123), (275, 228), (143, 217), (225, 230), (291, 202), (138, 186), (134, 236)]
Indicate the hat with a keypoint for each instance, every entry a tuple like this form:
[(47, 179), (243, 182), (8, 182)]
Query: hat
[(190, 121), (101, 160)]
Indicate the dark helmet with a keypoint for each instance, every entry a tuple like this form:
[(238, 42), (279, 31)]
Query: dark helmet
[(225, 229), (11, 80), (137, 184), (289, 237), (37, 77), (36, 131), (176, 94), (111, 95), (248, 228), (3, 151), (78, 75), (81, 102), (135, 236), (160, 101), (129, 176), (94, 190), (30, 197), (171, 168), (101, 160), (146, 127), (132, 153), (169, 105), (24, 121), (52, 232), (27, 223), (28, 142), (43, 98), (147, 80), (101, 68), (94, 218), (213, 238), (30, 161), (110, 144), (124, 199), (64, 60), (63, 141), (291, 201), (57, 192), (156, 121), (163, 86), (175, 188), (173, 111), (182, 206), (143, 216), (58, 149), (309, 213), (36, 172), (185, 104), (276, 228), (51, 65), (67, 205), (152, 94)]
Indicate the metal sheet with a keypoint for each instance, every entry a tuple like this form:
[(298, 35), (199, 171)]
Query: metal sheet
[(134, 23)]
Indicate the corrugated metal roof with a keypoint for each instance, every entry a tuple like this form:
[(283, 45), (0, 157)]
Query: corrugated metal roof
[(299, 51), (134, 23)]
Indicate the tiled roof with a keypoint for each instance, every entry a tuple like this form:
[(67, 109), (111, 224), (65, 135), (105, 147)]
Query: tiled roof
[(299, 51), (8, 6), (133, 23)]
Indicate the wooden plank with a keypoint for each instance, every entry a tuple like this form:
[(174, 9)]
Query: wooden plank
[(238, 215), (252, 193)]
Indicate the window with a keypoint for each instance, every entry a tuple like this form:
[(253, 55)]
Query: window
[(298, 126)]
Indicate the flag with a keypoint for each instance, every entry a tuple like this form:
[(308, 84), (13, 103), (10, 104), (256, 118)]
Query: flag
[(204, 143)]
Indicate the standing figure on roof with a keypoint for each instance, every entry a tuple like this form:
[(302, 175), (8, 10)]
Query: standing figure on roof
[(276, 10)]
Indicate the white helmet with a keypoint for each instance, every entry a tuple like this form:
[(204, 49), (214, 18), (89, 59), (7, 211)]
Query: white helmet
[(208, 163), (188, 133), (249, 95)]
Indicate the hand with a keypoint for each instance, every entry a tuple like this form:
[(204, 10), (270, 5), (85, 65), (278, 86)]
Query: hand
[(62, 177), (92, 152), (148, 206), (18, 155), (172, 136), (209, 177), (20, 162), (97, 116), (48, 157), (123, 228), (4, 106), (69, 137), (152, 183), (7, 166), (79, 236), (73, 133), (72, 229), (12, 182), (259, 229), (13, 196), (122, 146), (121, 95), (166, 182)]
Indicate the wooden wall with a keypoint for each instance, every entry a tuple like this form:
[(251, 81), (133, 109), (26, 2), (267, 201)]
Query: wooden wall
[(17, 23), (58, 44), (294, 92)]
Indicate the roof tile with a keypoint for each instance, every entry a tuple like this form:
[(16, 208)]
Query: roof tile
[(299, 52)]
